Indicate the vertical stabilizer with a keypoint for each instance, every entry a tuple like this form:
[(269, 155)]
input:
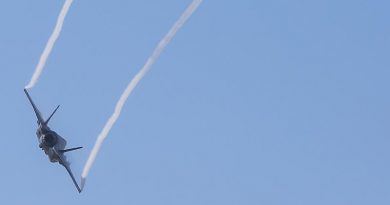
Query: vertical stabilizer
[(48, 119)]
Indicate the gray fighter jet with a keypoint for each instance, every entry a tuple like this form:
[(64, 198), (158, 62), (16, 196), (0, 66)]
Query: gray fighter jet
[(51, 143)]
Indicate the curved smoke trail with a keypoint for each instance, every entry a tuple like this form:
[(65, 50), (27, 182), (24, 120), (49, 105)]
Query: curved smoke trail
[(133, 83), (50, 43)]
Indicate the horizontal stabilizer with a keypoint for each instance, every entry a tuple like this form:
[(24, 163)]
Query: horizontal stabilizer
[(68, 150)]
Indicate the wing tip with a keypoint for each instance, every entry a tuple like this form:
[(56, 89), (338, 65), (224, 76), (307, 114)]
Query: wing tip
[(82, 183)]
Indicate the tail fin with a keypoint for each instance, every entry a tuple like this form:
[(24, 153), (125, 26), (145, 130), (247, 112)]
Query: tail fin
[(68, 150), (48, 119)]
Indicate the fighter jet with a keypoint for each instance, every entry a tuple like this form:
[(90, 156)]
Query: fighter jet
[(52, 143)]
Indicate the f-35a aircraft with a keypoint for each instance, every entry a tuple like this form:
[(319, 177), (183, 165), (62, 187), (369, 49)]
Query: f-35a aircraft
[(51, 143)]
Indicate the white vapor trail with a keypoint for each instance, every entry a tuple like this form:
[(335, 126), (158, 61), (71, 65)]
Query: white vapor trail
[(133, 83), (50, 44)]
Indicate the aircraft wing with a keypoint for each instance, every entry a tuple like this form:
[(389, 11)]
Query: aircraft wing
[(71, 175), (37, 113), (66, 165)]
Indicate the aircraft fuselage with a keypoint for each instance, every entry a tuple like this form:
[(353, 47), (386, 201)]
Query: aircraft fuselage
[(50, 142)]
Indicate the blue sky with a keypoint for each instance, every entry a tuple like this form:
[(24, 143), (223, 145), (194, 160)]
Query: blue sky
[(253, 102)]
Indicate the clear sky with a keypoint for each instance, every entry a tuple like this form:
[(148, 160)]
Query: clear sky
[(253, 102)]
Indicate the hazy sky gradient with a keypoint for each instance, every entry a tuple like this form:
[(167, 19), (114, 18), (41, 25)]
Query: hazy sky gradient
[(253, 102)]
